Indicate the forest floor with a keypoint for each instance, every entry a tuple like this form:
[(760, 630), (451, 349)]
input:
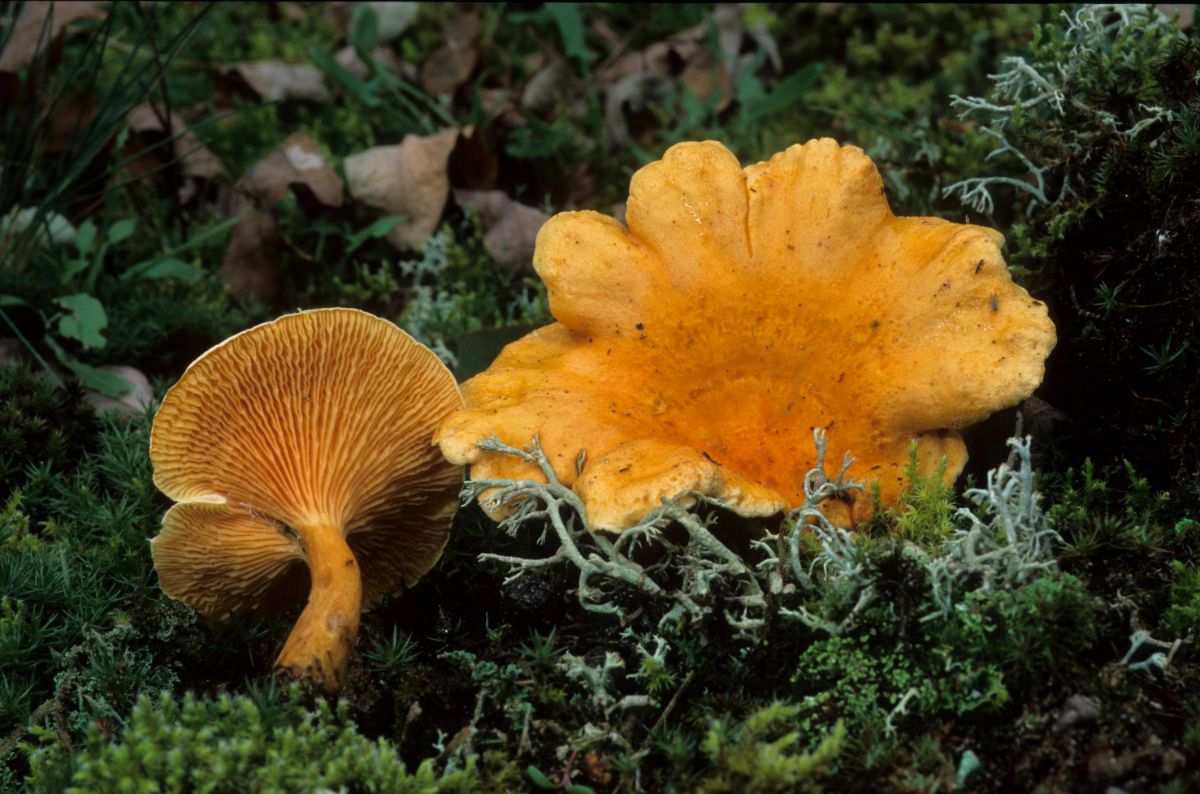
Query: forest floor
[(175, 173)]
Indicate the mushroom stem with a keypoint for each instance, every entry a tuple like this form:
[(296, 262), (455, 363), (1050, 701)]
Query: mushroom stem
[(318, 649)]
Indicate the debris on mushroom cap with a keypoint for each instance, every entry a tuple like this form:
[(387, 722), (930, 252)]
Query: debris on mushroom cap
[(697, 348), (305, 441)]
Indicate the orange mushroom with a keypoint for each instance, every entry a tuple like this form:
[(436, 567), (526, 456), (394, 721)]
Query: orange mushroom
[(697, 348), (304, 442)]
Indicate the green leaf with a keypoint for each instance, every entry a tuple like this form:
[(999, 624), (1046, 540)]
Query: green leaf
[(11, 300), (570, 27), (379, 228), (787, 93), (95, 379), (85, 237), (202, 236), (579, 788), (364, 31), (363, 92), (172, 268), (73, 268), (86, 319), (121, 230), (106, 383), (539, 779)]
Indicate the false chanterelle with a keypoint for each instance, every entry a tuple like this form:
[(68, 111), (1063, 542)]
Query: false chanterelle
[(698, 344), (304, 442)]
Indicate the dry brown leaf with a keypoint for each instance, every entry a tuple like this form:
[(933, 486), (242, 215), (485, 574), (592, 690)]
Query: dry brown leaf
[(630, 94), (509, 227), (451, 64), (1186, 11), (196, 160), (296, 163), (547, 87), (393, 18), (638, 77), (472, 164), (30, 31), (278, 81), (728, 17), (409, 179), (291, 12), (250, 269), (134, 402), (71, 116), (12, 352), (705, 77)]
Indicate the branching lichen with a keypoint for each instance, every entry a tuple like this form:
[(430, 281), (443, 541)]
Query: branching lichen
[(1005, 543), (699, 567), (1051, 87)]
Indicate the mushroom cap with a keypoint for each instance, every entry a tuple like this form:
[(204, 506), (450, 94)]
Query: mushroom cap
[(697, 348), (321, 418)]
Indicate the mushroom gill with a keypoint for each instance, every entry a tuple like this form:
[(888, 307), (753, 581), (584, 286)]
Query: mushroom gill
[(304, 442)]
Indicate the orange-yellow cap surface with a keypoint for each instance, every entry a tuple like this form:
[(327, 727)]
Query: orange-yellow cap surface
[(698, 346)]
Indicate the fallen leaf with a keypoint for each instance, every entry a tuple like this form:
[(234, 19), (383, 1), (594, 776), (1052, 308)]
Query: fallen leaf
[(12, 352), (69, 117), (728, 17), (292, 12), (31, 33), (250, 270), (647, 75), (760, 33), (196, 160), (705, 77), (408, 179), (1079, 709), (472, 164), (392, 19), (597, 767), (278, 81), (509, 227), (547, 87), (297, 164), (1186, 11), (629, 95), (136, 400), (452, 63)]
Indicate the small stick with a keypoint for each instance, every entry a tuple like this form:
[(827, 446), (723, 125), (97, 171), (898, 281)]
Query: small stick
[(674, 699)]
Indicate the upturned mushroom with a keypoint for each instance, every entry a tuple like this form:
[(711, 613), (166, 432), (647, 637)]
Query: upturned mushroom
[(698, 346), (304, 443)]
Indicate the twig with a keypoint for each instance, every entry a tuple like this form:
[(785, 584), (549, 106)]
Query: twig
[(666, 712)]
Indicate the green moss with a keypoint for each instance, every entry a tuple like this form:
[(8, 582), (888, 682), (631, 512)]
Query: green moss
[(235, 744), (40, 424), (1182, 617), (760, 754), (926, 507)]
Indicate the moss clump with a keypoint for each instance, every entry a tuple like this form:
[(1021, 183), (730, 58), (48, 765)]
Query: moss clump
[(40, 424), (235, 744), (751, 756)]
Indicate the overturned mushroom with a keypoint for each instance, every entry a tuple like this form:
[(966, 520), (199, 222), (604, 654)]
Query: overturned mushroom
[(696, 348), (304, 442)]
